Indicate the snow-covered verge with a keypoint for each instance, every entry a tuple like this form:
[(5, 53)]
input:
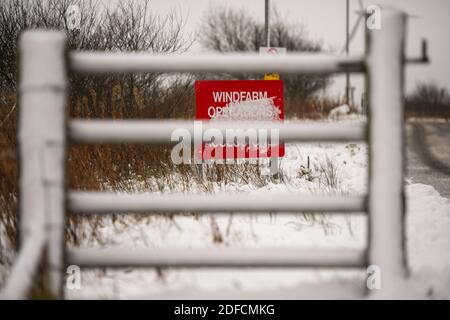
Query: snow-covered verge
[(333, 168), (428, 239)]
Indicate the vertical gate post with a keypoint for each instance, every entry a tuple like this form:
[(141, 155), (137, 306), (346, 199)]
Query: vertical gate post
[(42, 142), (386, 137)]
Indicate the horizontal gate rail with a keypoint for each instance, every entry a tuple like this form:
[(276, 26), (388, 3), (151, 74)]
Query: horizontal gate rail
[(103, 202), (217, 257), (160, 131), (108, 62)]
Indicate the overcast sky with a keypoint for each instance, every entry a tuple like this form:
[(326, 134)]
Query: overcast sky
[(325, 20)]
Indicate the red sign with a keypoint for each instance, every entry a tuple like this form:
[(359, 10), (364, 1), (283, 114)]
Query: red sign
[(234, 100)]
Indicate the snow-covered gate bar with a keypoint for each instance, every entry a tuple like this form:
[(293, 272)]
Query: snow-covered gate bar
[(104, 62), (156, 131), (42, 146), (102, 202), (217, 257)]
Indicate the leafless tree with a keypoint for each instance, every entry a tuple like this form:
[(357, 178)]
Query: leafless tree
[(428, 100), (128, 26), (229, 30)]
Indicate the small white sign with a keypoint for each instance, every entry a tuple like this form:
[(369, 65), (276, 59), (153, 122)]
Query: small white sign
[(272, 50), (266, 51)]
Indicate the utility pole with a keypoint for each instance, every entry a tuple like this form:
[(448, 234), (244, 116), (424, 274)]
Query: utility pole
[(267, 25), (273, 163), (347, 50)]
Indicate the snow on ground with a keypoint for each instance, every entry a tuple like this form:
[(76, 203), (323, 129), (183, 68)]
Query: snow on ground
[(428, 223), (428, 239)]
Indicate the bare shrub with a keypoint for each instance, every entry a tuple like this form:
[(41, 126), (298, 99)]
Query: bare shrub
[(228, 30), (428, 100)]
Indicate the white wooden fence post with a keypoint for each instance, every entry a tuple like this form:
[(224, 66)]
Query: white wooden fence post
[(386, 197), (42, 140)]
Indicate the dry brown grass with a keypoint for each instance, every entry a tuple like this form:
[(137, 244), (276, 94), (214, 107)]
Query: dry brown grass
[(309, 108), (8, 168), (119, 167)]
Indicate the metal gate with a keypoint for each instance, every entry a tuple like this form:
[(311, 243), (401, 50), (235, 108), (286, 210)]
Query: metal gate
[(44, 134)]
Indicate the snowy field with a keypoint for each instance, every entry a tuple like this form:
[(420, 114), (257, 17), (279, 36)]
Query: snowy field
[(332, 168)]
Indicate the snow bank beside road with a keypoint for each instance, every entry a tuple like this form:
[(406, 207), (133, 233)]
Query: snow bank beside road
[(428, 239)]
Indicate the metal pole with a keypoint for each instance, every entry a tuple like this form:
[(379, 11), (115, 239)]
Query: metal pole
[(267, 22), (386, 136), (347, 50), (273, 162), (42, 135)]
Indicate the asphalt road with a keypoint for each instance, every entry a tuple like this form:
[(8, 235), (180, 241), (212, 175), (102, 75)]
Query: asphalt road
[(428, 155)]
